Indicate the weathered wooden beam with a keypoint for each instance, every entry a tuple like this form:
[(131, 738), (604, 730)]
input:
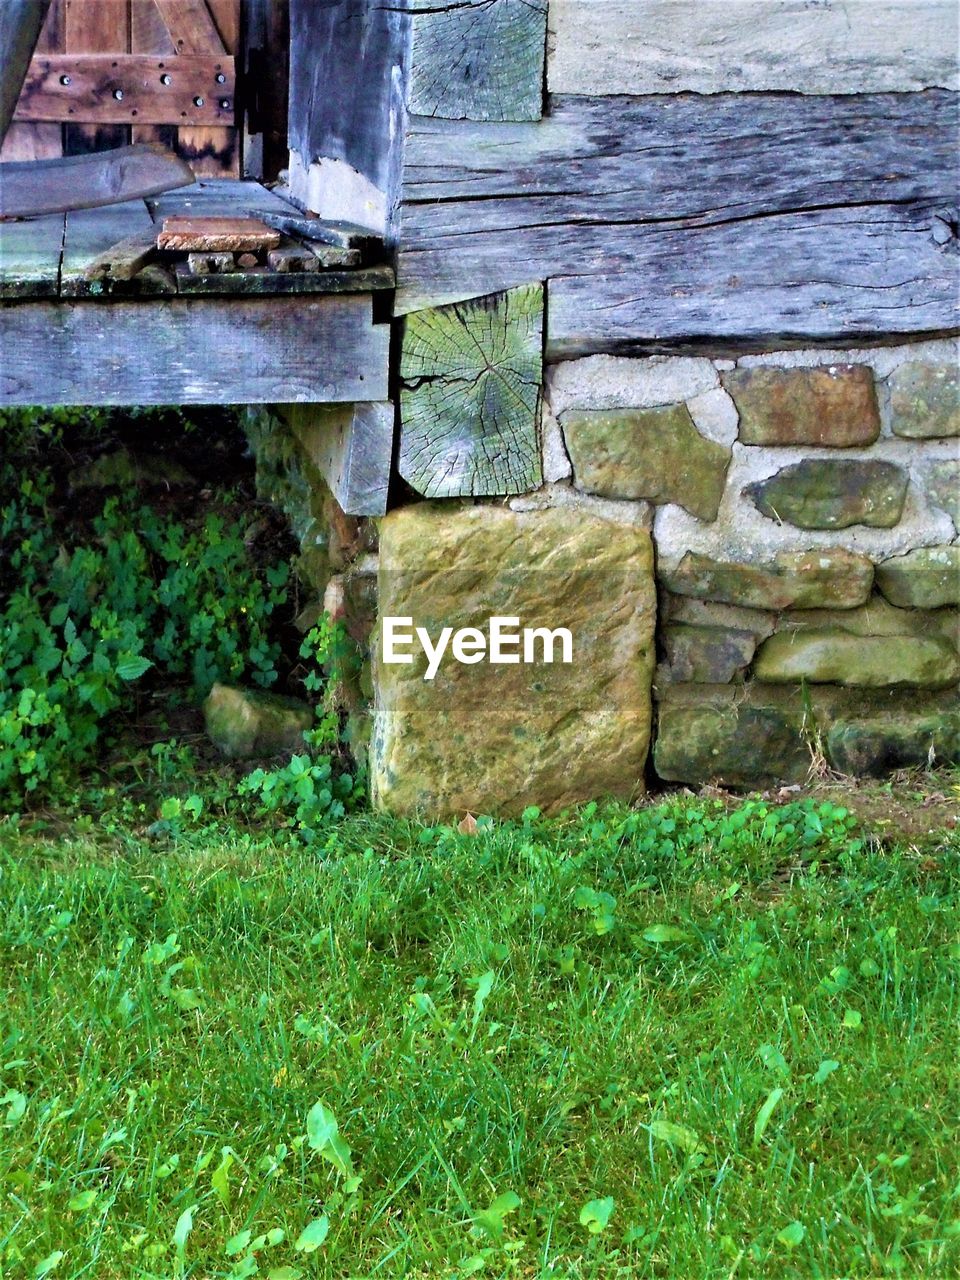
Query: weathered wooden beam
[(20, 23), (693, 46), (30, 258), (838, 276), (478, 60), (101, 243), (600, 193), (192, 351), (128, 88), (351, 445), (470, 396), (348, 63), (88, 181), (261, 281)]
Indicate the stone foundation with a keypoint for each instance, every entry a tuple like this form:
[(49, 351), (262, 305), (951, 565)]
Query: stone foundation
[(802, 583)]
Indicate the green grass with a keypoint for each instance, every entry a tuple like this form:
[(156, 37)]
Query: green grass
[(739, 1027)]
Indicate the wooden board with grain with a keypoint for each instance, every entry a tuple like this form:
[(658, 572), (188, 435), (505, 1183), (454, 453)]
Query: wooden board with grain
[(129, 88), (669, 205), (348, 62), (192, 351), (91, 247)]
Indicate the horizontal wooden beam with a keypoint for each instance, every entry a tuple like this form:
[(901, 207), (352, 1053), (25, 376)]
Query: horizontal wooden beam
[(196, 351), (129, 88), (799, 215), (89, 181)]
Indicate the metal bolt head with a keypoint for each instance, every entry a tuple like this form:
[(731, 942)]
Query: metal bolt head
[(198, 102), (221, 78), (165, 79), (65, 80), (118, 94)]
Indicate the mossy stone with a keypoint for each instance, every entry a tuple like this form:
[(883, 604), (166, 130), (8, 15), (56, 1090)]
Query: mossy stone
[(874, 747), (926, 578), (828, 493), (248, 723), (496, 738), (827, 579), (833, 656), (657, 454), (925, 401), (707, 655)]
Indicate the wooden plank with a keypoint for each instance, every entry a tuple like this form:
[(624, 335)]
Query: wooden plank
[(470, 396), (30, 257), (841, 277), (209, 150), (219, 197), (348, 63), (593, 189), (261, 281), (344, 235), (90, 243), (194, 351), (20, 25), (478, 60), (693, 46), (351, 445), (88, 181), (38, 141), (96, 26), (267, 59), (153, 90), (191, 26)]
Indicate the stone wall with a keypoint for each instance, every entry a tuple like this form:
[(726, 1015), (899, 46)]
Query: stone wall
[(808, 565), (758, 557)]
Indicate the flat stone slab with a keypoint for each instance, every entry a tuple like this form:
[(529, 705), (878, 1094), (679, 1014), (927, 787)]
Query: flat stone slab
[(925, 401), (834, 656), (820, 493), (489, 738), (835, 406), (656, 454), (927, 578), (828, 579), (874, 747)]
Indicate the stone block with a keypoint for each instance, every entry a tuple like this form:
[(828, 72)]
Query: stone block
[(828, 579), (753, 741), (496, 738), (874, 747), (248, 724), (834, 406), (833, 656), (927, 578), (821, 493), (925, 401), (941, 480), (610, 382), (707, 655), (657, 454)]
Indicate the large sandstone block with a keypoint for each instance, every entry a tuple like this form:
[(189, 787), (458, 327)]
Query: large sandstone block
[(876, 746), (496, 738)]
